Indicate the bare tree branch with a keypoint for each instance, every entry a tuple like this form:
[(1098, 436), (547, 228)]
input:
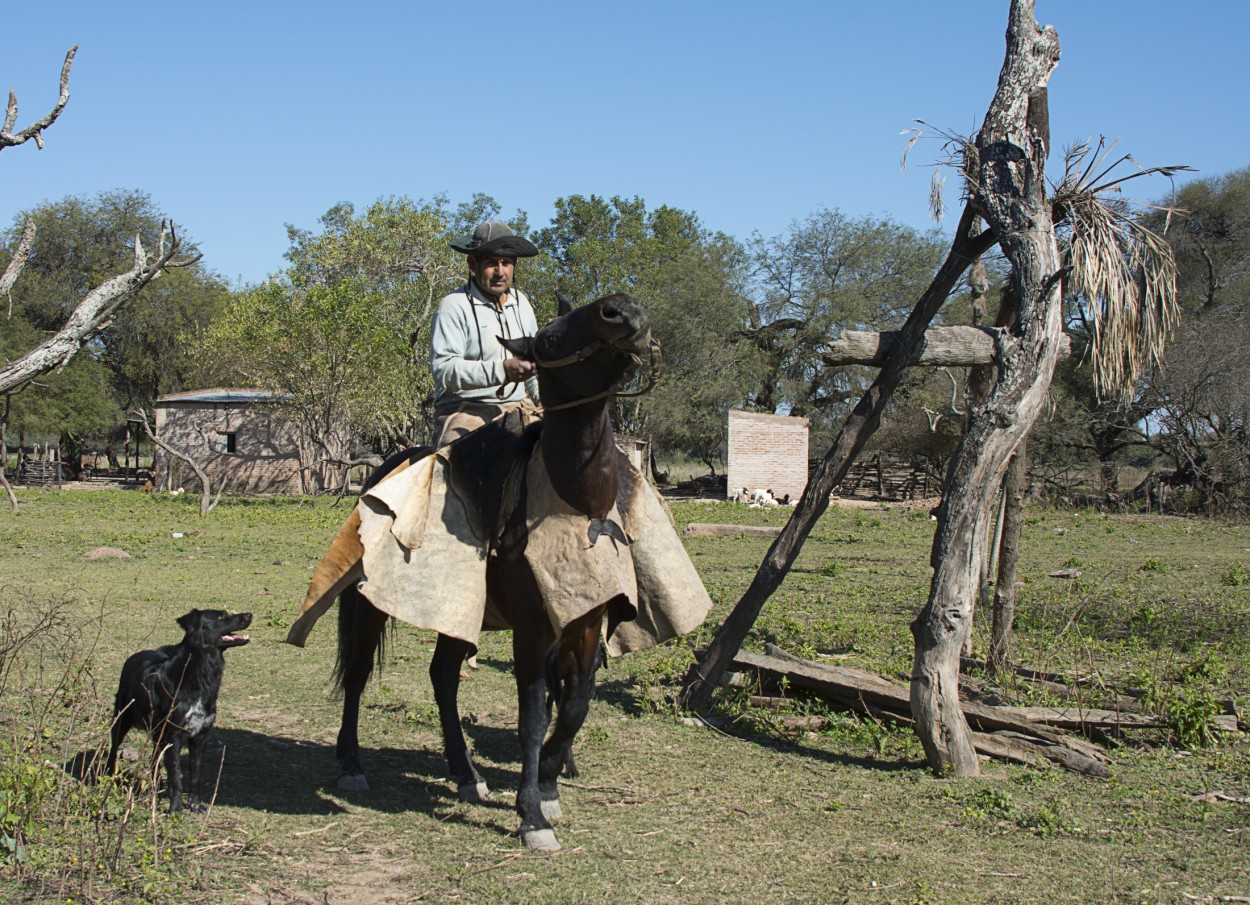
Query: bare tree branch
[(701, 679), (21, 255), (35, 130), (94, 312), (207, 502)]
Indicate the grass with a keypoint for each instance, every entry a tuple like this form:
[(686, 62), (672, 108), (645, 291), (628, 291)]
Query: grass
[(754, 810)]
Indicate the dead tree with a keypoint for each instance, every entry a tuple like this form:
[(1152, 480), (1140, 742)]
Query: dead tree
[(701, 680), (207, 501), (1115, 262), (4, 447), (1010, 529), (1007, 187), (98, 308), (939, 347)]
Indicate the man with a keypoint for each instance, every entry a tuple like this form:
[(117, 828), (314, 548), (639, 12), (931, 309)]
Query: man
[(475, 378)]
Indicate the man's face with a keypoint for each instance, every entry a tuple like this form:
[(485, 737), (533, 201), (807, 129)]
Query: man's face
[(493, 275)]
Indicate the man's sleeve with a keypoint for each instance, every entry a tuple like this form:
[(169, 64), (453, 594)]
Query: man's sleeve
[(450, 342)]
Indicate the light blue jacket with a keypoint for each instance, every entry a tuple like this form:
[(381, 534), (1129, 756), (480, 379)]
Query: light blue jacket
[(465, 355)]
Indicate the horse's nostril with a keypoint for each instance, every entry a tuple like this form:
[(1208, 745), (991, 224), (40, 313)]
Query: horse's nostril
[(611, 313)]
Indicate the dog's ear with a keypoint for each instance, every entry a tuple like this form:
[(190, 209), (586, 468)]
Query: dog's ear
[(521, 347), (188, 621)]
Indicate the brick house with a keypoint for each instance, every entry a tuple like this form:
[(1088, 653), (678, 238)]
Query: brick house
[(768, 452), (251, 447)]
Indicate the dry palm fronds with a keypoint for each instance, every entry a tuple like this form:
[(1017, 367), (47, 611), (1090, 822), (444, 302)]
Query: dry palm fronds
[(1124, 272), (936, 205), (958, 152)]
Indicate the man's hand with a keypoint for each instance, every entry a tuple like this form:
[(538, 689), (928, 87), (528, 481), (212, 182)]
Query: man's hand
[(518, 369)]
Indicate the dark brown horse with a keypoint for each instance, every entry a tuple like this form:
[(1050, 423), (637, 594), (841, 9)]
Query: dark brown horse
[(583, 356)]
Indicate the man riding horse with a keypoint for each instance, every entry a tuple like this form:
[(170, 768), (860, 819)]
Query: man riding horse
[(476, 379), (540, 527)]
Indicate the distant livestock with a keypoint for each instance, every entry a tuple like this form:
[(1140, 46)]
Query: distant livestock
[(760, 499)]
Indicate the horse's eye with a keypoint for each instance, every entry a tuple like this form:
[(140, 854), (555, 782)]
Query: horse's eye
[(549, 342)]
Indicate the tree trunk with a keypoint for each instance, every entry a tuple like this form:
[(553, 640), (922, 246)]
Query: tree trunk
[(703, 676), (1010, 193), (1008, 558), (1109, 481), (4, 457)]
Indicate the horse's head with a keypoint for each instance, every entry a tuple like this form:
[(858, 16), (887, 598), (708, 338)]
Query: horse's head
[(584, 352)]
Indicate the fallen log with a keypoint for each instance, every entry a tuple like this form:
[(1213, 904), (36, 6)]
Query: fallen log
[(881, 698), (1088, 718), (1054, 684), (1069, 759), (1122, 699), (702, 529)]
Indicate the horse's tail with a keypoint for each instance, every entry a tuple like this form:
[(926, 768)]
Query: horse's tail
[(356, 634), (358, 618)]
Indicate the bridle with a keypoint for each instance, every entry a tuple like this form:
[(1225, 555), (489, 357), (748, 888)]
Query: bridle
[(613, 391)]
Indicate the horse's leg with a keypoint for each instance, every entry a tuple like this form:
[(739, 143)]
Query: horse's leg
[(531, 637), (449, 654), (361, 627), (572, 675)]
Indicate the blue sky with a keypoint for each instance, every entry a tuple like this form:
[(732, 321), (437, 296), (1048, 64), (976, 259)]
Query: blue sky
[(241, 117)]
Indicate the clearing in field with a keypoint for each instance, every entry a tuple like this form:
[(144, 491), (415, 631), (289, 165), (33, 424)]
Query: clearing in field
[(782, 797)]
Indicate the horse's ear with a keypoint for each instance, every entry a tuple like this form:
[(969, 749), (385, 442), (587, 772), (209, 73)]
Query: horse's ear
[(563, 303), (521, 347)]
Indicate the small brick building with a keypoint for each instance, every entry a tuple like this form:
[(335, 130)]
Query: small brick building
[(252, 449), (768, 452)]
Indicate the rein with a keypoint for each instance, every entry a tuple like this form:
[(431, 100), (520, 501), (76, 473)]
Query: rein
[(614, 390), (655, 355)]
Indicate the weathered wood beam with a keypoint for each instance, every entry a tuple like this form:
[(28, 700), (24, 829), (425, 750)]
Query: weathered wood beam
[(878, 697), (940, 347)]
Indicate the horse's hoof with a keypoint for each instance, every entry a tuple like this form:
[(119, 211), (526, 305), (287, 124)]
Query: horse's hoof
[(474, 792), (540, 840), (353, 782), (551, 809)]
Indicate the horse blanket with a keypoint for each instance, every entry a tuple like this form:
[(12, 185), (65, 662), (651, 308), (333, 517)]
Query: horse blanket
[(417, 546)]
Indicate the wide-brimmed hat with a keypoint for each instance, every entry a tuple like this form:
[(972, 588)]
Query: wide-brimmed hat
[(496, 239)]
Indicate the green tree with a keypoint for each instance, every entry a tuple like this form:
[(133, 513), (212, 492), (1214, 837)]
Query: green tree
[(690, 280), (828, 274), (1083, 427), (79, 244), (75, 399), (342, 334), (1199, 394)]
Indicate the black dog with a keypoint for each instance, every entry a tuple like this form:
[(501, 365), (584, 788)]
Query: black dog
[(172, 692)]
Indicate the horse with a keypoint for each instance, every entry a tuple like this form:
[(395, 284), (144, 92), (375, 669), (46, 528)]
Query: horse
[(582, 356)]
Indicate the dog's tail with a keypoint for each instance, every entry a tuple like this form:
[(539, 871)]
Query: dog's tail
[(362, 639)]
